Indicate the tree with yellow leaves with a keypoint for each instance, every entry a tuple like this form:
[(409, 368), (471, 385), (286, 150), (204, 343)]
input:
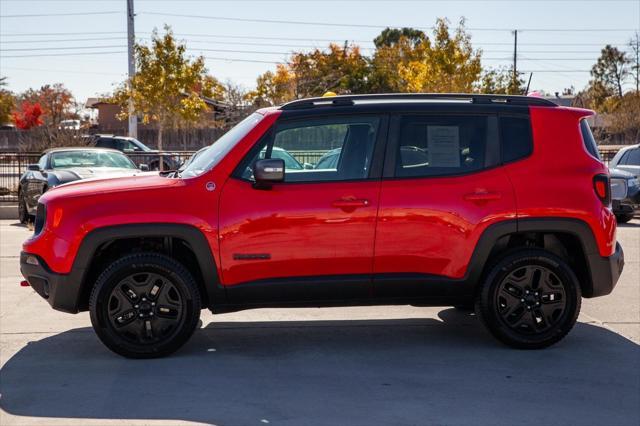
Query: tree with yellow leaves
[(168, 86)]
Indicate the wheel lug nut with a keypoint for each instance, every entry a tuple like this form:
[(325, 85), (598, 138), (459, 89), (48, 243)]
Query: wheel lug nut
[(144, 299), (136, 306), (526, 292), (153, 304), (537, 303), (522, 300), (140, 315), (151, 313)]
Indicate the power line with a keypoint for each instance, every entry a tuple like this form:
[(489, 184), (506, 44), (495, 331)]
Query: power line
[(62, 54), (63, 40), (62, 71), (35, 15), (334, 24), (57, 34), (61, 48)]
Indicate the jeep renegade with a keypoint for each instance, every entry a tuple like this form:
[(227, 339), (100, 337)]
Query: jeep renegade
[(496, 202)]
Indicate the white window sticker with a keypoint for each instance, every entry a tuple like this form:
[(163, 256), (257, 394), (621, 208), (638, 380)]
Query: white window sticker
[(443, 146)]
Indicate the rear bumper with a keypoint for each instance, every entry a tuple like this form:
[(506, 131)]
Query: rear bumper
[(605, 272), (62, 291)]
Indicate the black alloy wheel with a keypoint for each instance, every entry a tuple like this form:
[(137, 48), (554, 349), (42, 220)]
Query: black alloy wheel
[(145, 306), (530, 299)]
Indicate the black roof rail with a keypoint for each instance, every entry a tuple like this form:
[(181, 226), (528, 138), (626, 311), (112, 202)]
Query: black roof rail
[(348, 100)]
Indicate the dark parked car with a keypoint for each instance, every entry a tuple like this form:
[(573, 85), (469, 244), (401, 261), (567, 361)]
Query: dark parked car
[(143, 154), (628, 159), (63, 165), (625, 194)]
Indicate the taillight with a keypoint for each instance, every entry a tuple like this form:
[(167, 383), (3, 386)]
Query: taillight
[(602, 187)]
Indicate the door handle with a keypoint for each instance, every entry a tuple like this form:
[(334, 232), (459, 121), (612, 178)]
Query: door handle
[(480, 196), (350, 203)]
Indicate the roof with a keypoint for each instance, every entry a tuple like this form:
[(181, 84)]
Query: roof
[(78, 148), (471, 98)]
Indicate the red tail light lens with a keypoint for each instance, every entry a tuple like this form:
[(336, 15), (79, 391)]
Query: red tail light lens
[(602, 188)]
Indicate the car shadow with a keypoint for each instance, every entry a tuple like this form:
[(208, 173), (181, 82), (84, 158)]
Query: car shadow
[(395, 371)]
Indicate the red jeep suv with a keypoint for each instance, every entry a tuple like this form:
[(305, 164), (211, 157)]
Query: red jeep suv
[(497, 202)]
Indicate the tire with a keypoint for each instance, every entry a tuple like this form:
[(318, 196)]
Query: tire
[(464, 308), (23, 212), (526, 309), (135, 319), (624, 218)]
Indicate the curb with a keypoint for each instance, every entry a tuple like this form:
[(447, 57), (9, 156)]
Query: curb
[(8, 211)]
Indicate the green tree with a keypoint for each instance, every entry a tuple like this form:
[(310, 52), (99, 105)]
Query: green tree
[(168, 86), (391, 36), (500, 81), (611, 70), (7, 102)]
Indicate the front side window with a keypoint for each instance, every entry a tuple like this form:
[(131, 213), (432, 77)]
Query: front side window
[(328, 149), (441, 145)]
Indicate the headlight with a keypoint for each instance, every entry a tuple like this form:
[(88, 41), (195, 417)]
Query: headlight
[(618, 189)]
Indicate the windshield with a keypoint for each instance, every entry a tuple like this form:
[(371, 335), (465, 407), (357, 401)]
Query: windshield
[(212, 155), (68, 159)]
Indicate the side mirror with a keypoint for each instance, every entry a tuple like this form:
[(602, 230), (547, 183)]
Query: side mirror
[(143, 167), (267, 172), (33, 167)]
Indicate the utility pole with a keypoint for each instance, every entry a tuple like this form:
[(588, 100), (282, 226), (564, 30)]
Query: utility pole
[(131, 39), (515, 59)]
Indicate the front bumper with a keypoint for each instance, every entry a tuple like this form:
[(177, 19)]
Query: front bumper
[(62, 291), (605, 272)]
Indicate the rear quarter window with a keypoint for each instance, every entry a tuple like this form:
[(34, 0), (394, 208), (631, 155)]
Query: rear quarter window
[(588, 139), (516, 138)]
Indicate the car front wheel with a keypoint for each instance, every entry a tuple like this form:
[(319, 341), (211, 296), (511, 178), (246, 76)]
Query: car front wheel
[(530, 299), (145, 305), (23, 212)]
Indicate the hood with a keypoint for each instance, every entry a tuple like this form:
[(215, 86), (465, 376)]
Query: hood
[(90, 187), (620, 174), (75, 173)]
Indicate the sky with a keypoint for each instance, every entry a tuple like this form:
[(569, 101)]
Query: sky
[(82, 43)]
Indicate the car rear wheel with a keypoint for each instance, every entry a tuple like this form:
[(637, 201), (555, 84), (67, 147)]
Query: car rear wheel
[(145, 306), (530, 299)]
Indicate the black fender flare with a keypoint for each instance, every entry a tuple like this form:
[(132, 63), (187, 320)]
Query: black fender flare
[(574, 227), (192, 235)]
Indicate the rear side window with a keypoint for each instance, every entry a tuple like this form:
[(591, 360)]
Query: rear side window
[(441, 145), (589, 140), (516, 138), (632, 158)]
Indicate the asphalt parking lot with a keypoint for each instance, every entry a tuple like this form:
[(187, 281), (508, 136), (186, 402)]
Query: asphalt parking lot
[(341, 366)]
